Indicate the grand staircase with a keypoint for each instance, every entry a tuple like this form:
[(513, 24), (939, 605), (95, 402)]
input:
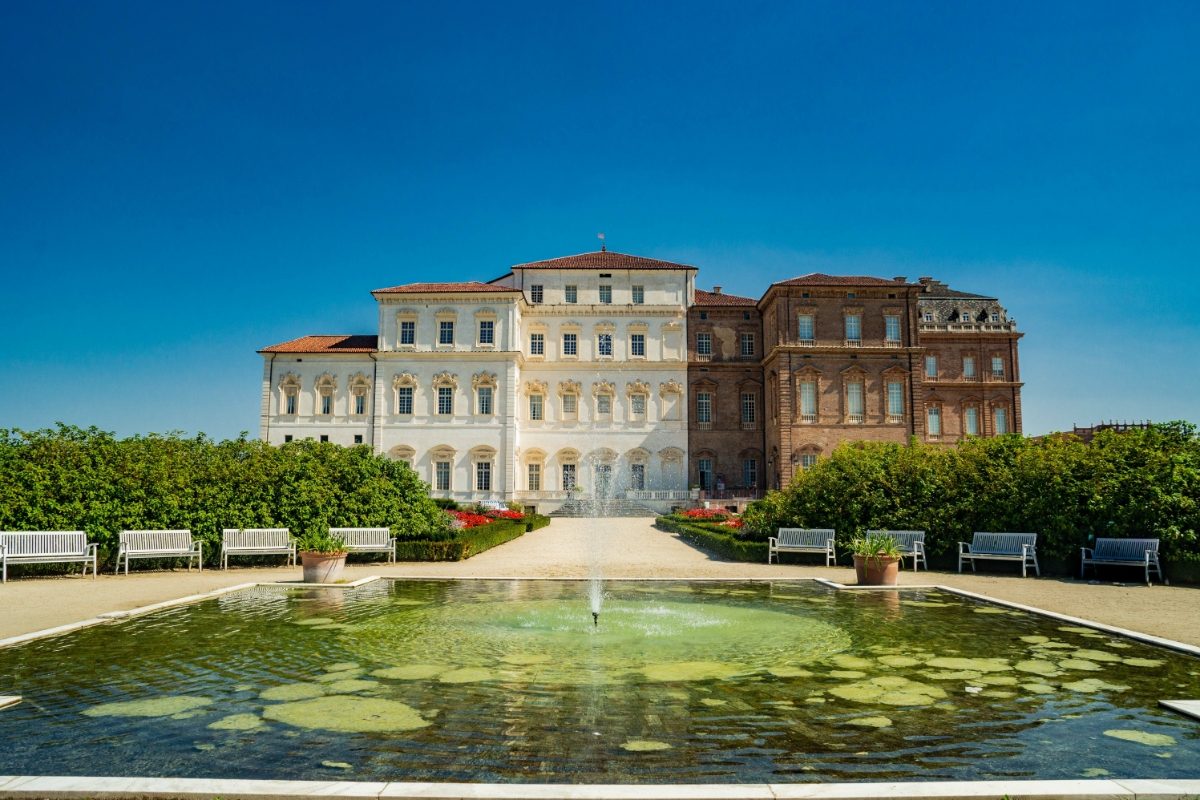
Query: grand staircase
[(603, 508)]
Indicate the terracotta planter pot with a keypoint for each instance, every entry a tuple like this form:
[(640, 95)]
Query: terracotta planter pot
[(877, 571), (322, 567)]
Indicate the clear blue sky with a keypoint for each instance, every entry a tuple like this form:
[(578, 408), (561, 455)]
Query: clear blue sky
[(183, 183)]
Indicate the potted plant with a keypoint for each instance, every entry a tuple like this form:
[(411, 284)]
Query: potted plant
[(876, 560), (322, 555)]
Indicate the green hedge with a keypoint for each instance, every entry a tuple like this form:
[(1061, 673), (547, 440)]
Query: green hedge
[(89, 480), (466, 543), (714, 539), (535, 521), (1140, 483)]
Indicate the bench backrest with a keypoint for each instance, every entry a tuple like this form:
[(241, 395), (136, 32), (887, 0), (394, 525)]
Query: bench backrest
[(804, 537), (256, 537), (1124, 549), (1001, 542), (44, 543), (904, 539), (360, 537), (156, 540)]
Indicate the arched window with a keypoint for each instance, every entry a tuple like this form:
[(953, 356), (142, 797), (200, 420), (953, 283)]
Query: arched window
[(360, 390), (289, 388), (326, 386)]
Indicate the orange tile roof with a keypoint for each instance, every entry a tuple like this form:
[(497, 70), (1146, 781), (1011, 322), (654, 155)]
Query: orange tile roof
[(441, 288), (602, 259), (353, 343), (821, 279), (704, 298)]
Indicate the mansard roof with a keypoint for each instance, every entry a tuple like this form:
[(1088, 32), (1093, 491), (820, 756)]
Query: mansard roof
[(931, 289), (821, 279), (602, 259), (704, 298), (444, 288), (341, 343)]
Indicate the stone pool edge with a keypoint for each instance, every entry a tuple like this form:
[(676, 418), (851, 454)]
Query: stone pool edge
[(76, 788)]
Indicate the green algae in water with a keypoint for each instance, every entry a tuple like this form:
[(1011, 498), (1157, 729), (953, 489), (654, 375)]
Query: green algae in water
[(341, 666), (238, 722), (467, 675), (341, 675), (1093, 685), (1096, 655), (351, 685), (1037, 667), (691, 671), (899, 661), (411, 672), (870, 722), (153, 707), (350, 714), (644, 746), (788, 671), (971, 664), (313, 621), (1080, 665), (293, 691), (1141, 737), (890, 690), (852, 662), (1142, 662)]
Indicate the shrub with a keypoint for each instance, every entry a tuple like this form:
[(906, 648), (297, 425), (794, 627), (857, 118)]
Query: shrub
[(74, 479), (713, 538), (464, 544)]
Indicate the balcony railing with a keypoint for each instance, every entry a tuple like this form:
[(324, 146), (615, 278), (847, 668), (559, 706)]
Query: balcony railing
[(749, 425), (704, 426), (808, 418), (891, 342), (855, 419), (657, 494), (895, 419), (969, 327), (806, 342), (853, 342)]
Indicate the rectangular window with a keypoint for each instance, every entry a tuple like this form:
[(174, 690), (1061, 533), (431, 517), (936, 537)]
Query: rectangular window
[(534, 480), (895, 401), (1000, 417), (928, 316), (324, 437), (854, 402), (568, 476), (445, 400), (637, 405), (637, 477), (570, 405), (997, 367), (605, 294), (287, 438), (536, 410), (604, 404), (404, 400), (360, 404), (931, 370), (750, 473), (808, 460), (483, 476), (995, 317), (442, 476), (704, 470), (446, 331), (487, 331), (968, 366), (747, 345), (637, 345), (604, 344), (748, 410), (535, 293), (808, 401), (408, 332), (291, 404), (572, 294), (483, 403), (935, 422), (358, 438), (704, 408), (639, 295), (326, 404), (971, 421), (704, 344), (853, 328), (891, 329), (537, 344), (805, 328), (570, 344)]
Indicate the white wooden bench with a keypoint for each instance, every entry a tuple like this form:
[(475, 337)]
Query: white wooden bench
[(911, 544), (45, 547), (1123, 552), (1000, 547), (159, 544), (802, 540), (257, 542), (367, 540)]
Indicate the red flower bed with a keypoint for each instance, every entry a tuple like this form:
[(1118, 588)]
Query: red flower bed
[(468, 519), (706, 513), (506, 514), (733, 523)]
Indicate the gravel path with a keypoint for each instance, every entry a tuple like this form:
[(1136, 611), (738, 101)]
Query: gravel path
[(628, 548)]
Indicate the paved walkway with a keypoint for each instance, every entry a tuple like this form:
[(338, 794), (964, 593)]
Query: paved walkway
[(628, 548)]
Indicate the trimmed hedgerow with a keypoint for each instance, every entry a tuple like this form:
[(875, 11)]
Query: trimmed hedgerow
[(716, 539), (464, 544)]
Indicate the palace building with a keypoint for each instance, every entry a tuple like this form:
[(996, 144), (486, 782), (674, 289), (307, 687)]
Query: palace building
[(612, 374)]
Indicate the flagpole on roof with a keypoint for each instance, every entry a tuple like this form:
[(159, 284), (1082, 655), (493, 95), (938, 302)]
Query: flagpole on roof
[(603, 244)]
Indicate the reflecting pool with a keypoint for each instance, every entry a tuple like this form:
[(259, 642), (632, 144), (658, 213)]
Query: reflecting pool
[(681, 682)]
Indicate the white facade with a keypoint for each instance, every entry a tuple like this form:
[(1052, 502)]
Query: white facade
[(508, 390)]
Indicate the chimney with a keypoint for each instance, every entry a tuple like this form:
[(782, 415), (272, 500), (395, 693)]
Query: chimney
[(901, 279), (716, 290)]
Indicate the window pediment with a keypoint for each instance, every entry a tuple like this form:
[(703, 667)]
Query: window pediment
[(483, 379), (671, 386), (445, 379), (536, 387), (326, 382), (404, 379), (289, 380), (569, 387), (603, 387), (637, 387)]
